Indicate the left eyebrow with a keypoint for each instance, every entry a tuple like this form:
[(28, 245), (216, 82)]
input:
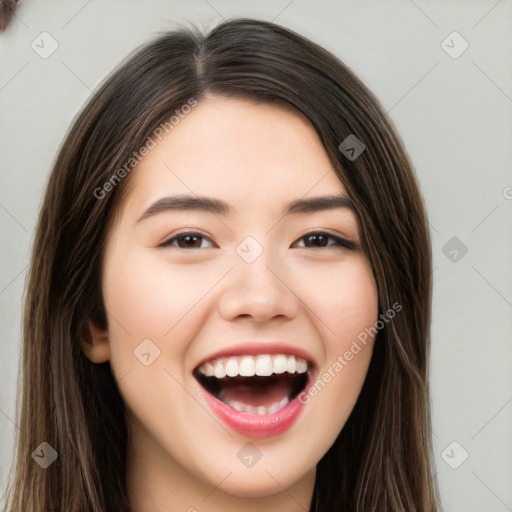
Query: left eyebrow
[(315, 204), (219, 207)]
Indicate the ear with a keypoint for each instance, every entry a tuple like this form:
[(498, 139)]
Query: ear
[(97, 348)]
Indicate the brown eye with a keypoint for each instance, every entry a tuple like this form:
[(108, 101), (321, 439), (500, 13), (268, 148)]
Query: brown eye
[(319, 240), (187, 240)]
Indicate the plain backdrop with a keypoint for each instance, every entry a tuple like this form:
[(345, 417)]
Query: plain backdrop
[(452, 106)]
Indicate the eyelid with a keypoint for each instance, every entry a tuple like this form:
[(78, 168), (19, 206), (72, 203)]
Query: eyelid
[(341, 241), (167, 241)]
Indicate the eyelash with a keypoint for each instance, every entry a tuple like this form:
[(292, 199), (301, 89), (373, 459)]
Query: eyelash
[(341, 242)]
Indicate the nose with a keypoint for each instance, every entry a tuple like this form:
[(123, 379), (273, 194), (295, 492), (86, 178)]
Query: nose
[(258, 291)]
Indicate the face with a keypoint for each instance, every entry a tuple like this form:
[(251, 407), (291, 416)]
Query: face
[(221, 319)]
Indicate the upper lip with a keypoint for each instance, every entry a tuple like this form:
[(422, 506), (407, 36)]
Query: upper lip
[(258, 348)]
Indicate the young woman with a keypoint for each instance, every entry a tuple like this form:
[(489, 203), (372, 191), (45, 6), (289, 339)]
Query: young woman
[(228, 304)]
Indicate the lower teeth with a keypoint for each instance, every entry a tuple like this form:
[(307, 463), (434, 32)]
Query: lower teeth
[(259, 409)]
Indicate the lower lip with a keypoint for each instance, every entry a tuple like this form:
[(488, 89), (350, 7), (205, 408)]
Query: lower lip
[(256, 425)]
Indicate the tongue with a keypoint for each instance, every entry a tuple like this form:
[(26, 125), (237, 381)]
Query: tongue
[(256, 395)]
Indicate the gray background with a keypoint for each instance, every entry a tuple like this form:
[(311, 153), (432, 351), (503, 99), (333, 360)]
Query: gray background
[(454, 115)]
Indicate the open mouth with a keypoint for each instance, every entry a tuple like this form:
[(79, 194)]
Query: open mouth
[(257, 385)]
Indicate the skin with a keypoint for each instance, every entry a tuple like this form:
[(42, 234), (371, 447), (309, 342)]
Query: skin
[(194, 302)]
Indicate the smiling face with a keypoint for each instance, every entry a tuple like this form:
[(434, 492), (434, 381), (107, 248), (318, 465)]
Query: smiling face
[(220, 315)]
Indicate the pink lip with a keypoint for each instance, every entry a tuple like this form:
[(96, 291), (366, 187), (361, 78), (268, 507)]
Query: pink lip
[(259, 425), (256, 425)]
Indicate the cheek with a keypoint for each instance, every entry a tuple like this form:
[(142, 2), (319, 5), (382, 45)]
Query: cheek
[(149, 297), (350, 308), (343, 299), (358, 303), (147, 302), (356, 314)]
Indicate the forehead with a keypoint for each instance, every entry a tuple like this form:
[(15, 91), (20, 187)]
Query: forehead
[(242, 151)]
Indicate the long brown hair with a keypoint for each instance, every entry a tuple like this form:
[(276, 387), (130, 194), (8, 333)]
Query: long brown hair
[(381, 460)]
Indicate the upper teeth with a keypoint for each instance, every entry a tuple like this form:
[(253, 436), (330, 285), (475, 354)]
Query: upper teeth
[(247, 366)]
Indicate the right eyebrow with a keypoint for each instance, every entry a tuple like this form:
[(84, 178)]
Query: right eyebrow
[(184, 202)]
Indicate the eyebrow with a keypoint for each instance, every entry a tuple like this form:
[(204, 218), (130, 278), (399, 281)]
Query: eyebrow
[(219, 207)]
